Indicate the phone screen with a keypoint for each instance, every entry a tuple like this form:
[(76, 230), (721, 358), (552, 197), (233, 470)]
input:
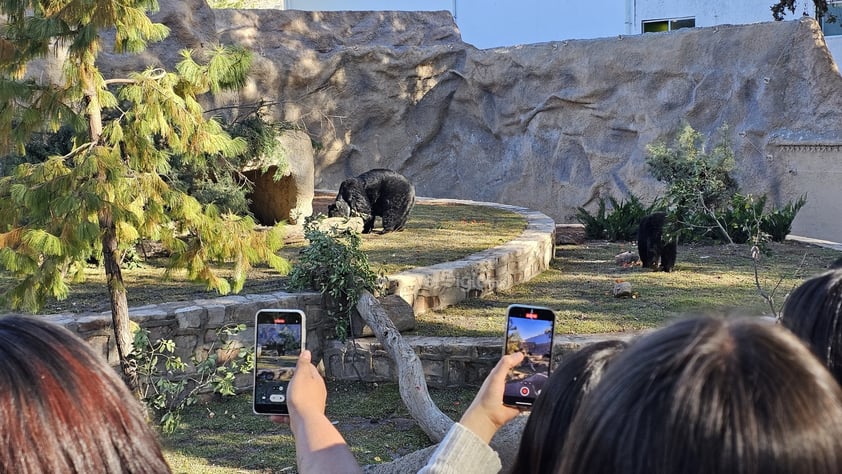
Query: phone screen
[(279, 338), (528, 329)]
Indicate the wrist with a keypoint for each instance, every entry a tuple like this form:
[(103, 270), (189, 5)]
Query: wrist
[(479, 424), (305, 418)]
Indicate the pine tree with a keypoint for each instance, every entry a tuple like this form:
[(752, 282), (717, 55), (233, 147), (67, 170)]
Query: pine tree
[(112, 189)]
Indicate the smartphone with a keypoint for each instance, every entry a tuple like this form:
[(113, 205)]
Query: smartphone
[(529, 329), (278, 340)]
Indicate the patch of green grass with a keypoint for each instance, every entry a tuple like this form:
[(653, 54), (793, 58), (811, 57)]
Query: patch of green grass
[(441, 233), (578, 287), (224, 436)]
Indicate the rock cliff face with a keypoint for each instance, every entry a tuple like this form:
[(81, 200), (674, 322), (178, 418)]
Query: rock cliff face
[(549, 126)]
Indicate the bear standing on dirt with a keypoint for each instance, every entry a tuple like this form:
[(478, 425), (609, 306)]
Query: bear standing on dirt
[(378, 192), (651, 247)]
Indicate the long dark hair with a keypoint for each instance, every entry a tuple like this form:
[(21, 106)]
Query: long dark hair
[(547, 427), (710, 395), (64, 409), (812, 311)]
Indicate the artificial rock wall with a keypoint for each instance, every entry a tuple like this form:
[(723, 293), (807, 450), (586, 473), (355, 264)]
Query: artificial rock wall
[(548, 126)]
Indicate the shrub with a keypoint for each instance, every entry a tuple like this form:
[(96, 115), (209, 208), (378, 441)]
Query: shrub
[(618, 225), (742, 218), (166, 384), (778, 223), (334, 265), (699, 184), (595, 227)]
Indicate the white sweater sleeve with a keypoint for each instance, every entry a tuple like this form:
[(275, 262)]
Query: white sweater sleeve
[(462, 452)]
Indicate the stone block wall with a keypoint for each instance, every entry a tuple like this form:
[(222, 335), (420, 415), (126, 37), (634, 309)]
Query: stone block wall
[(193, 325), (447, 361)]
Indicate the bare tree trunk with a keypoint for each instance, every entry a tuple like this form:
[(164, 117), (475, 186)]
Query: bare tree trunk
[(111, 257), (413, 385), (119, 301)]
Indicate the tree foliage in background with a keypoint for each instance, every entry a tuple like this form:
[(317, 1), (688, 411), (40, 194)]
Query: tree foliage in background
[(221, 4), (113, 186), (699, 183), (778, 222), (780, 8), (223, 184), (703, 199)]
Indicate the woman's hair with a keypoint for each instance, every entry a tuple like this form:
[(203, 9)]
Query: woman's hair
[(812, 311), (547, 427), (64, 409), (709, 395)]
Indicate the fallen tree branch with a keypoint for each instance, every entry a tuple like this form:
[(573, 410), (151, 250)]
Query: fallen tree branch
[(411, 381)]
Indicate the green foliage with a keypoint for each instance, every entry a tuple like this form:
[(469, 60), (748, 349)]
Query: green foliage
[(699, 184), (221, 4), (113, 182), (742, 218), (334, 265), (168, 384), (261, 136), (112, 188), (223, 185), (620, 224), (40, 147), (778, 222), (703, 198), (594, 224), (220, 184)]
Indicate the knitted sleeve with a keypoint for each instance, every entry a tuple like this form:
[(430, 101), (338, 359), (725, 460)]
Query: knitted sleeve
[(462, 452)]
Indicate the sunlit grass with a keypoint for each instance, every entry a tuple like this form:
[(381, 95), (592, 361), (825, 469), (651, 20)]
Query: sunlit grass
[(224, 437), (441, 233), (579, 285)]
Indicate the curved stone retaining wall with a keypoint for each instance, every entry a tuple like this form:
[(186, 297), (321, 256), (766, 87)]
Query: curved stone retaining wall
[(193, 324), (498, 268)]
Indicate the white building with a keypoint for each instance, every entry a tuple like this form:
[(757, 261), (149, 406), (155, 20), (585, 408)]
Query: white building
[(493, 23)]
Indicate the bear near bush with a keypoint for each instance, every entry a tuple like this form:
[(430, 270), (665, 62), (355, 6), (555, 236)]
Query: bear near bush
[(654, 252), (376, 193)]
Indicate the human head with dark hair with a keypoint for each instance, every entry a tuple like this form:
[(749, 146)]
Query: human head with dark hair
[(64, 409), (813, 311), (710, 395), (547, 426)]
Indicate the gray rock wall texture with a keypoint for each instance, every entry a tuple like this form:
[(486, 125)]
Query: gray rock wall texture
[(549, 126)]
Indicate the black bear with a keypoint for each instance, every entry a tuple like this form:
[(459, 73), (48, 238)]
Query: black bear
[(653, 251), (376, 193)]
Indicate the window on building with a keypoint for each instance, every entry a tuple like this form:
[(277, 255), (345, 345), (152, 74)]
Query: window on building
[(832, 20), (654, 26)]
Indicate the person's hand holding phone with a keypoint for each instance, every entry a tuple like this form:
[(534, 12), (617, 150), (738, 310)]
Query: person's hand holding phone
[(319, 447), (487, 412), (307, 393), (279, 337)]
